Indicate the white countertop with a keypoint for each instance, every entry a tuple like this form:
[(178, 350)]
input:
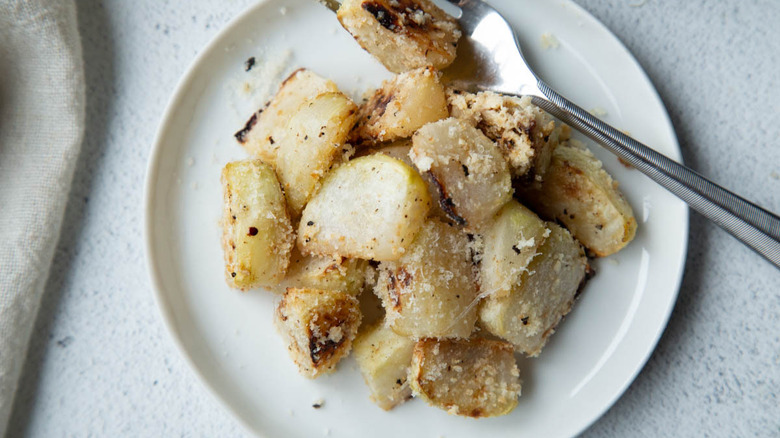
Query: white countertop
[(102, 364)]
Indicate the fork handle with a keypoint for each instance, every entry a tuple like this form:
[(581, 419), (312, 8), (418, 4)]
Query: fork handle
[(754, 226)]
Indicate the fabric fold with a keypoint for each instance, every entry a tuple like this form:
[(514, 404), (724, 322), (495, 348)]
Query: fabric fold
[(41, 128)]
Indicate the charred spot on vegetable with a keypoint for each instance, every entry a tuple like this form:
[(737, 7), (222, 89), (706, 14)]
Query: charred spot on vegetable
[(506, 141), (392, 292), (465, 169), (403, 14), (399, 277), (310, 223), (599, 227), (384, 16), (404, 277), (292, 75), (321, 347), (271, 140), (445, 202), (233, 274), (524, 320), (589, 273), (515, 249), (249, 63), (377, 106), (252, 231), (316, 405), (528, 129), (241, 135), (321, 350)]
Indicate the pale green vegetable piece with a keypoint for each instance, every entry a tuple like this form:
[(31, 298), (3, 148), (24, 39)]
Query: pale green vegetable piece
[(511, 239), (384, 358), (431, 291), (312, 142), (263, 131), (371, 207), (257, 234), (544, 294)]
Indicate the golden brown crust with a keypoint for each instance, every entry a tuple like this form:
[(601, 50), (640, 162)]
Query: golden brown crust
[(319, 327), (402, 34), (473, 378), (400, 107), (581, 195), (525, 134)]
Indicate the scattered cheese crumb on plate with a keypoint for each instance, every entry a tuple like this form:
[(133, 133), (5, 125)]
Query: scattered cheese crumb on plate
[(549, 41)]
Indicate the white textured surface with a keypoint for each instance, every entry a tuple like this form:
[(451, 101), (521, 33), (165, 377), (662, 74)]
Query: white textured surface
[(101, 363)]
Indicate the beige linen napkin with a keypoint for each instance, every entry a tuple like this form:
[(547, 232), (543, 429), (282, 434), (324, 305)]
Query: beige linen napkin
[(41, 128)]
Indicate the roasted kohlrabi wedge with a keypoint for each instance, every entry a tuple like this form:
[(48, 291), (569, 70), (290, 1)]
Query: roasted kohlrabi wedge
[(257, 236), (371, 207)]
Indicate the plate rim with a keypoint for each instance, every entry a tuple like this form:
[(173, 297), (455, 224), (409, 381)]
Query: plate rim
[(682, 262), (150, 195)]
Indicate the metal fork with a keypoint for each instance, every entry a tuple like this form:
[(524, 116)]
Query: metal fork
[(494, 62)]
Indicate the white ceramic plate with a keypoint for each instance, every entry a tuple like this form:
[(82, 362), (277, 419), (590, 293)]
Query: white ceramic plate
[(228, 336)]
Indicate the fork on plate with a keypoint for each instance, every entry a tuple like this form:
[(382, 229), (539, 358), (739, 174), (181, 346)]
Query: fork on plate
[(497, 64)]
